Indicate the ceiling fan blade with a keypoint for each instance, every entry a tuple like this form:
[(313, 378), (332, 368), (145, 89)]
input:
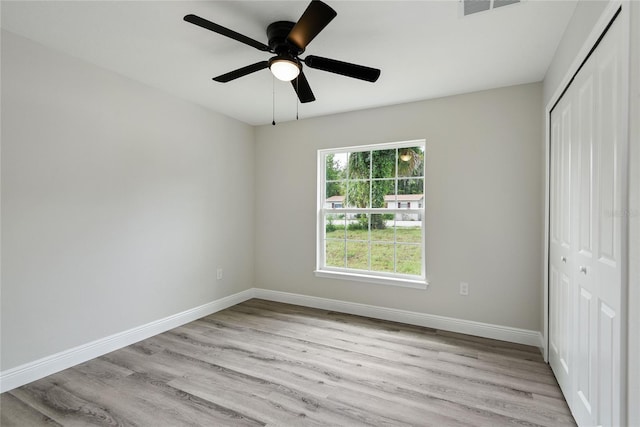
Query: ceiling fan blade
[(345, 68), (201, 22), (240, 72), (313, 20), (302, 88)]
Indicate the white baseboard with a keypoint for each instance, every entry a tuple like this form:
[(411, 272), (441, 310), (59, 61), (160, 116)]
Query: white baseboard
[(32, 371), (486, 330), (24, 374)]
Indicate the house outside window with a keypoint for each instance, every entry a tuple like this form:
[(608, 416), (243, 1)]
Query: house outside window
[(334, 202), (371, 213)]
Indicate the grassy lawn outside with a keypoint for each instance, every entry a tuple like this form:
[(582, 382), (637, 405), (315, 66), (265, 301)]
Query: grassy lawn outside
[(406, 253)]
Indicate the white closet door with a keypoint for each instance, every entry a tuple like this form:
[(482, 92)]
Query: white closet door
[(585, 97), (587, 152), (609, 157), (560, 280)]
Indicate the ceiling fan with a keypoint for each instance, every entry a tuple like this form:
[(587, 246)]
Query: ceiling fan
[(288, 40)]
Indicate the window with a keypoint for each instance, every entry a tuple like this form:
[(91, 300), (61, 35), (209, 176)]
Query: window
[(371, 215)]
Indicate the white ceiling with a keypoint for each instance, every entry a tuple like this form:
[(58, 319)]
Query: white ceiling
[(425, 49)]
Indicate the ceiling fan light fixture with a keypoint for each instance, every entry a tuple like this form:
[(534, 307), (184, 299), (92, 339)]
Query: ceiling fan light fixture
[(284, 69)]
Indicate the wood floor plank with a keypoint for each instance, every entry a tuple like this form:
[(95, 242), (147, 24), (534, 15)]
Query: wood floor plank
[(17, 413), (65, 406), (262, 363)]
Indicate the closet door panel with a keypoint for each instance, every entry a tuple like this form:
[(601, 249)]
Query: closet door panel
[(608, 212), (608, 374), (561, 321), (585, 153), (585, 393), (584, 363)]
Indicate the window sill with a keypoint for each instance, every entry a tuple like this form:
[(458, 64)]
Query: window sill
[(378, 280)]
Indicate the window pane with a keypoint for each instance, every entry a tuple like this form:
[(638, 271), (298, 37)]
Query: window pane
[(409, 259), (358, 227), (382, 229), (407, 219), (382, 192), (382, 257), (358, 255), (384, 163), (335, 166), (411, 161), (334, 195), (409, 234), (335, 226), (359, 165), (334, 249), (358, 194), (334, 253), (411, 186)]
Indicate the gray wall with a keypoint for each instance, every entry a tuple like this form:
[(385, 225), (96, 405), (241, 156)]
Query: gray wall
[(118, 203), (484, 175)]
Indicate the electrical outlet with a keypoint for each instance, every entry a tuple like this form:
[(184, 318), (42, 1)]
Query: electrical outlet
[(219, 273), (464, 288)]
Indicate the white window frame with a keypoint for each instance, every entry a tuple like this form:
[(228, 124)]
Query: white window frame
[(384, 278)]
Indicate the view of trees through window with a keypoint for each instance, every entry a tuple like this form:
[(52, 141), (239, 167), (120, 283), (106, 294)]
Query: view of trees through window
[(373, 210)]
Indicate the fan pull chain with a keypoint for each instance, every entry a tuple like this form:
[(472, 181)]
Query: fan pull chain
[(297, 97), (273, 80)]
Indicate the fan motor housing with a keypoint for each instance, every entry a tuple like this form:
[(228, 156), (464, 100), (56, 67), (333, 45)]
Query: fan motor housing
[(277, 34)]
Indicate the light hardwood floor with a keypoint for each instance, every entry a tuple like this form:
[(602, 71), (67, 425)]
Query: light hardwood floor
[(264, 363)]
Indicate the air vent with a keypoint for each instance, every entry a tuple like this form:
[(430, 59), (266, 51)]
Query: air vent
[(470, 7)]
